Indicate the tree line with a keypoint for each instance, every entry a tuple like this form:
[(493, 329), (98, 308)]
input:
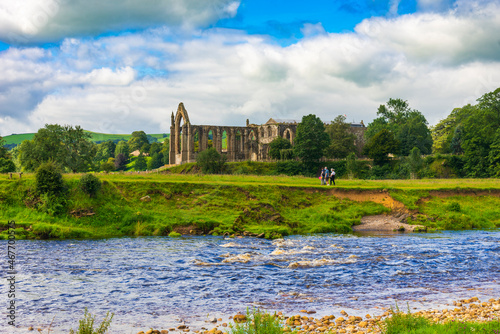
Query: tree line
[(398, 142), (71, 148)]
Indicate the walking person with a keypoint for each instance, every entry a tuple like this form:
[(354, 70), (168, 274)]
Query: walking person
[(322, 176), (332, 177), (327, 176)]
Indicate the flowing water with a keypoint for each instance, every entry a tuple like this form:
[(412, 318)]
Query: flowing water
[(159, 281)]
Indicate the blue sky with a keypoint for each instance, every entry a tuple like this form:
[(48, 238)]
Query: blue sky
[(119, 66)]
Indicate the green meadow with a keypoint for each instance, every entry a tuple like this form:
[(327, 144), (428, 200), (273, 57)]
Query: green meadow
[(131, 204)]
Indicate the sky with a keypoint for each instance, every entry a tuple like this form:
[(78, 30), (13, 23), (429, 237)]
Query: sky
[(118, 66)]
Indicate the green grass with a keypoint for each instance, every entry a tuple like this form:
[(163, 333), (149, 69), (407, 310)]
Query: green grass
[(274, 205), (18, 138), (408, 323), (258, 322), (96, 136)]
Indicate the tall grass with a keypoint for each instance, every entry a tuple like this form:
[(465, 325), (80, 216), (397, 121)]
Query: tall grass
[(258, 322), (411, 324)]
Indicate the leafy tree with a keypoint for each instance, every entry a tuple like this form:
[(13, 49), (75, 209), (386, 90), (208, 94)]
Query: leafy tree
[(90, 184), (380, 146), (211, 161), (140, 163), (79, 151), (341, 138), (457, 140), (108, 166), (494, 155), (408, 126), (154, 148), (414, 161), (105, 151), (45, 146), (479, 131), (165, 151), (156, 161), (122, 148), (311, 140), (139, 138), (67, 146), (351, 165), (120, 161), (277, 145), (444, 131), (6, 163)]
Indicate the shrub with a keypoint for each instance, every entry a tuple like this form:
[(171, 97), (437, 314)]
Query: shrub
[(87, 324), (90, 184), (49, 179), (211, 161), (174, 234), (258, 322)]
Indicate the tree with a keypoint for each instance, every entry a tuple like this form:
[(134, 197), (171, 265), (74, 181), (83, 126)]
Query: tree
[(69, 147), (79, 151), (211, 161), (494, 155), (409, 126), (414, 161), (277, 145), (351, 165), (120, 161), (108, 166), (139, 138), (479, 130), (154, 148), (105, 151), (165, 151), (311, 140), (122, 148), (6, 163), (156, 161), (140, 163), (341, 139), (380, 146)]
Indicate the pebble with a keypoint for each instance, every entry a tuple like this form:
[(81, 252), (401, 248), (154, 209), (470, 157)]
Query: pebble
[(465, 310)]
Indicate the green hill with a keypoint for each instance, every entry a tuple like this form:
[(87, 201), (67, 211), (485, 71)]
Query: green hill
[(16, 139)]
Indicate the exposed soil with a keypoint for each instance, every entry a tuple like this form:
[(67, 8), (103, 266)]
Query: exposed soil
[(395, 221), (385, 223)]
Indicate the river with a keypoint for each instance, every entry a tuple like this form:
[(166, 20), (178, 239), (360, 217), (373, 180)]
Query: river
[(160, 282)]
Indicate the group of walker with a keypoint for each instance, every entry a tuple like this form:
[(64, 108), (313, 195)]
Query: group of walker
[(327, 175)]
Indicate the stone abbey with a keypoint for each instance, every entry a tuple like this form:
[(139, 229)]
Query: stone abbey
[(250, 142)]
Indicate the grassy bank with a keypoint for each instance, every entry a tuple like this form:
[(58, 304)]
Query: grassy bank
[(271, 207)]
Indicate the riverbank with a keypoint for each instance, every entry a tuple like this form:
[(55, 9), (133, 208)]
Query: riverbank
[(472, 314), (268, 207)]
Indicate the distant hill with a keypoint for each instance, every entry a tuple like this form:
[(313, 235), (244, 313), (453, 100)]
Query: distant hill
[(16, 139)]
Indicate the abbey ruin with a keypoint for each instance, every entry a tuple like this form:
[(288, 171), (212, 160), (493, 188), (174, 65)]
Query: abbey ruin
[(248, 142)]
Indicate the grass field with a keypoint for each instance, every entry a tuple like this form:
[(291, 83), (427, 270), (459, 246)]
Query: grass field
[(274, 206), (19, 138)]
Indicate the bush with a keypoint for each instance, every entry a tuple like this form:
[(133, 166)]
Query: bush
[(87, 324), (49, 180), (211, 161), (90, 184), (258, 322)]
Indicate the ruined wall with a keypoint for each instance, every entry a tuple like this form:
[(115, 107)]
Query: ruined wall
[(248, 142)]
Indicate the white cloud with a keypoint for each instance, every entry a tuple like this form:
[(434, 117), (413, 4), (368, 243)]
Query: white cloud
[(133, 82), (32, 21)]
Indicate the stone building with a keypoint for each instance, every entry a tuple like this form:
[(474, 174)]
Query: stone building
[(248, 142)]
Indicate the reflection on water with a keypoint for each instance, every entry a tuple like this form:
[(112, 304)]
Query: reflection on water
[(157, 282)]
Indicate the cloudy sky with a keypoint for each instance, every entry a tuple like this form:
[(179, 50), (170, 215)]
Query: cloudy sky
[(117, 66)]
